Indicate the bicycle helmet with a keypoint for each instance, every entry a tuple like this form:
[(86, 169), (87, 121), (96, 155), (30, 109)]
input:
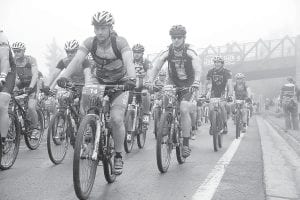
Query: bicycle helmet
[(218, 59), (239, 76), (103, 18), (18, 45), (138, 48), (71, 45), (177, 30)]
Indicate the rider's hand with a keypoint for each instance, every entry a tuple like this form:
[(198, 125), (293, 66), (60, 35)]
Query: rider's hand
[(2, 78), (45, 90), (229, 99), (130, 84), (63, 82), (195, 86), (28, 90)]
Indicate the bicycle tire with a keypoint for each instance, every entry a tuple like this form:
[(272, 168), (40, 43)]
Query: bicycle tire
[(164, 131), (82, 193), (108, 160), (128, 144), (214, 130), (15, 151), (53, 142)]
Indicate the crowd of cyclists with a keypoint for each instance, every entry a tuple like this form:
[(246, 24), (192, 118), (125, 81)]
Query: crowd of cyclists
[(107, 59)]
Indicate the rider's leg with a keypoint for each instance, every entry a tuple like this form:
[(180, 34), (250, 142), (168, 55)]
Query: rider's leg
[(146, 106), (294, 116), (4, 103), (117, 114), (32, 111), (224, 111), (186, 121), (4, 118)]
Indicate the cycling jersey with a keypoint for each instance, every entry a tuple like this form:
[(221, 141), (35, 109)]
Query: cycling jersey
[(180, 67), (78, 75), (23, 67), (219, 80), (144, 63), (109, 67), (241, 92)]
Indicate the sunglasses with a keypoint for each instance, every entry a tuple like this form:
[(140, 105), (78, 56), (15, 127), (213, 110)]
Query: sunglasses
[(17, 50), (176, 37), (71, 52)]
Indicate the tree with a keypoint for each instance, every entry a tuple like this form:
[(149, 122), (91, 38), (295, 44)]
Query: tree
[(53, 55)]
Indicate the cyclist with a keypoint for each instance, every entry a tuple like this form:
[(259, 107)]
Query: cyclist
[(113, 65), (27, 78), (142, 65), (219, 79), (242, 92), (184, 70), (80, 76), (7, 83)]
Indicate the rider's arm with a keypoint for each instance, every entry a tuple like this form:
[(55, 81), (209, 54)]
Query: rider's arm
[(75, 63), (127, 56), (208, 83), (34, 71), (196, 63), (157, 66), (4, 54), (54, 73), (229, 85)]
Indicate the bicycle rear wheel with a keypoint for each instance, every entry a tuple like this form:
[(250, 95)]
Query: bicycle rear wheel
[(84, 168), (163, 143), (129, 136), (34, 143), (57, 140), (142, 134), (11, 146)]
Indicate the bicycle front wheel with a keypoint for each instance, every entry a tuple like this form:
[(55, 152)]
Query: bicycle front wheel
[(129, 136), (238, 125), (10, 149), (163, 143), (57, 140), (215, 130), (84, 168), (108, 160)]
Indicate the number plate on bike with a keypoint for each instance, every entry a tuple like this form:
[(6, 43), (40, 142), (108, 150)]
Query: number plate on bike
[(93, 90)]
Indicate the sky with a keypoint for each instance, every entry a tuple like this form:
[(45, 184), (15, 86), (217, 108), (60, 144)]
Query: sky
[(216, 22)]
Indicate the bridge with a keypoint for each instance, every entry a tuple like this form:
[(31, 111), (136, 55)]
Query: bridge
[(266, 63)]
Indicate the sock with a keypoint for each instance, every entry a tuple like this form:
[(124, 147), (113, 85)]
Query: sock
[(118, 155), (186, 141)]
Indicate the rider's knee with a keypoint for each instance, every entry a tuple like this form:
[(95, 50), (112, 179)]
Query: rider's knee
[(32, 104), (4, 103), (117, 120), (184, 107)]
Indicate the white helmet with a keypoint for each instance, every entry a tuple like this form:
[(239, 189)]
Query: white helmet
[(103, 18), (18, 45), (71, 45), (239, 76)]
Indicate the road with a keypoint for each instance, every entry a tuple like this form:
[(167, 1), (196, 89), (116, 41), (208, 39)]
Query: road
[(235, 172)]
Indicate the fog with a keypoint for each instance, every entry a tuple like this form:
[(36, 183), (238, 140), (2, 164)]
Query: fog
[(215, 22)]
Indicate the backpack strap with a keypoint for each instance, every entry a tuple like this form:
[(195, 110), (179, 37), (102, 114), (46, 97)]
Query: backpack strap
[(115, 47)]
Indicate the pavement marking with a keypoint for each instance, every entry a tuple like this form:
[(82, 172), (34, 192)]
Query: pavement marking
[(208, 188)]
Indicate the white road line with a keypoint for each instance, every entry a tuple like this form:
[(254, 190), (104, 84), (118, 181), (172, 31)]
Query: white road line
[(208, 188)]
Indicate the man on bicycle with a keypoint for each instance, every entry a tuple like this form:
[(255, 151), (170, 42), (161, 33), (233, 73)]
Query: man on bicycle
[(242, 92), (7, 83), (27, 77), (142, 65), (218, 80), (81, 75), (113, 65), (184, 70)]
